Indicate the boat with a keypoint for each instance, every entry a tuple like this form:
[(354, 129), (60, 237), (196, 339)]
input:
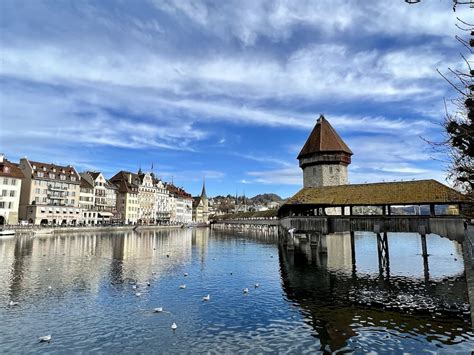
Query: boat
[(6, 232)]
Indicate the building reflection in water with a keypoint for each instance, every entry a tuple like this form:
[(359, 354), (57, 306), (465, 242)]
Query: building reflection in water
[(77, 261), (341, 303)]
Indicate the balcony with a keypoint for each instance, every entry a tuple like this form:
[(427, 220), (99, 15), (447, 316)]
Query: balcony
[(56, 188)]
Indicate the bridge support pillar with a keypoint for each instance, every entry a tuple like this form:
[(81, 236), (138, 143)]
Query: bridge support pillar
[(383, 253), (353, 251), (424, 252)]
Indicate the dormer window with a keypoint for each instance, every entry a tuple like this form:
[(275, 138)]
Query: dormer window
[(62, 177), (73, 178), (34, 167), (54, 170), (52, 176), (44, 168)]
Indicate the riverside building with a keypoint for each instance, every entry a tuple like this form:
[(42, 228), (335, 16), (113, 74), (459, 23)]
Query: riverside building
[(183, 205), (127, 197), (10, 188), (104, 210), (49, 193)]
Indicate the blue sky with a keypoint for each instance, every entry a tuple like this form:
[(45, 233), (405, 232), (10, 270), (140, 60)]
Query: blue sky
[(228, 90)]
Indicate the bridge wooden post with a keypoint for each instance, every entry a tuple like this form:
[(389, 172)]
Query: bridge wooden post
[(424, 252), (353, 251), (382, 248)]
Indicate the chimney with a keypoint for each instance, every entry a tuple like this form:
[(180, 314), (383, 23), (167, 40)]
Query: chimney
[(130, 178), (1, 157)]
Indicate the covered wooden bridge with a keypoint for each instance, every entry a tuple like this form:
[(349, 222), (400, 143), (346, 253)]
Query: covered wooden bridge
[(411, 206)]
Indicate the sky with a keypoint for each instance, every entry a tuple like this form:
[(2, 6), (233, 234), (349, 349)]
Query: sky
[(226, 90)]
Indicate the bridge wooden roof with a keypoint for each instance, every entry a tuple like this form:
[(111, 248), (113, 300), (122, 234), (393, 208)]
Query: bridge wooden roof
[(386, 193)]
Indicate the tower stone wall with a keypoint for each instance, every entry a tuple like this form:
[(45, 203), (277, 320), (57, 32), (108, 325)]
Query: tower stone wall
[(325, 175)]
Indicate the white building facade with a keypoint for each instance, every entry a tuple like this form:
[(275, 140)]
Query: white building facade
[(10, 189)]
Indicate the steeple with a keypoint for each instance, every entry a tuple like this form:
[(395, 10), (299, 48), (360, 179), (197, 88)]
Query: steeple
[(324, 157), (203, 192)]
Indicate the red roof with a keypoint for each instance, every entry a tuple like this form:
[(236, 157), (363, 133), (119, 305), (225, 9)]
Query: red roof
[(9, 169), (323, 138)]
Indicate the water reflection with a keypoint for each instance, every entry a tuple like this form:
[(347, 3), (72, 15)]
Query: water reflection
[(348, 299), (309, 300)]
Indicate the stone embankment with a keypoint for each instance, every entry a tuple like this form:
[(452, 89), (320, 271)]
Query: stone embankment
[(59, 230)]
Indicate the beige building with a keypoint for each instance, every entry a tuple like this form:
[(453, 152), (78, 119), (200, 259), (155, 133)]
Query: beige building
[(201, 207), (10, 188), (146, 198), (49, 193), (127, 197)]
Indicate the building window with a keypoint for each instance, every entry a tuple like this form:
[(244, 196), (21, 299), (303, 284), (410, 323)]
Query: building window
[(37, 199), (10, 205), (330, 170), (73, 193), (13, 181), (72, 201), (2, 204), (40, 174), (52, 176), (4, 192), (73, 178), (12, 193), (38, 190), (62, 177), (5, 181)]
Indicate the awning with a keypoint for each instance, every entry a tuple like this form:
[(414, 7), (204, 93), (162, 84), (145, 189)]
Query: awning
[(105, 214)]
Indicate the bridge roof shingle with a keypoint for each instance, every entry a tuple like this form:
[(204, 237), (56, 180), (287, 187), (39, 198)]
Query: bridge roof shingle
[(385, 193)]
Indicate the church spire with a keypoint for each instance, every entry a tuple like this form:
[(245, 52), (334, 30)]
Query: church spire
[(203, 192)]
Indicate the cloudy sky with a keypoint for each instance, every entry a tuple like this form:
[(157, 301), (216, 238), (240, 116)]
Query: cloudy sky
[(226, 90)]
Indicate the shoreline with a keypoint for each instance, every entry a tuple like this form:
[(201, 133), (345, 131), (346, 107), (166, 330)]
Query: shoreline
[(59, 230)]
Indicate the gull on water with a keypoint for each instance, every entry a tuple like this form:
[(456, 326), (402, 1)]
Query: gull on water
[(246, 290), (158, 310), (148, 283), (206, 298), (134, 287), (185, 274), (138, 294), (174, 326), (13, 303), (182, 286), (45, 339), (49, 287), (257, 285)]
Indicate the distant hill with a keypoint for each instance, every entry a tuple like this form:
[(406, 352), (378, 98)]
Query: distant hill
[(262, 199)]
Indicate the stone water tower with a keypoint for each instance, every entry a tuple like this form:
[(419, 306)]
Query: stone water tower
[(324, 157)]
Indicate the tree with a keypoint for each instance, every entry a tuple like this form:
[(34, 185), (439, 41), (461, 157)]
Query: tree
[(459, 119)]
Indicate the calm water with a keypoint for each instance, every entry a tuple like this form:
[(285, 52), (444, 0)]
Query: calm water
[(305, 302)]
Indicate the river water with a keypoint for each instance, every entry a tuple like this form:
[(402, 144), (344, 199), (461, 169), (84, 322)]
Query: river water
[(90, 292)]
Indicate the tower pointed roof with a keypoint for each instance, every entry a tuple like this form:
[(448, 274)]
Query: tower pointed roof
[(203, 192), (323, 138)]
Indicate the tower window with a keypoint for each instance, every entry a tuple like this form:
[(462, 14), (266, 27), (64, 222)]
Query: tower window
[(330, 170)]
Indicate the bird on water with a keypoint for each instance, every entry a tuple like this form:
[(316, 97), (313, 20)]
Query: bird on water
[(174, 326), (206, 298), (45, 339)]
